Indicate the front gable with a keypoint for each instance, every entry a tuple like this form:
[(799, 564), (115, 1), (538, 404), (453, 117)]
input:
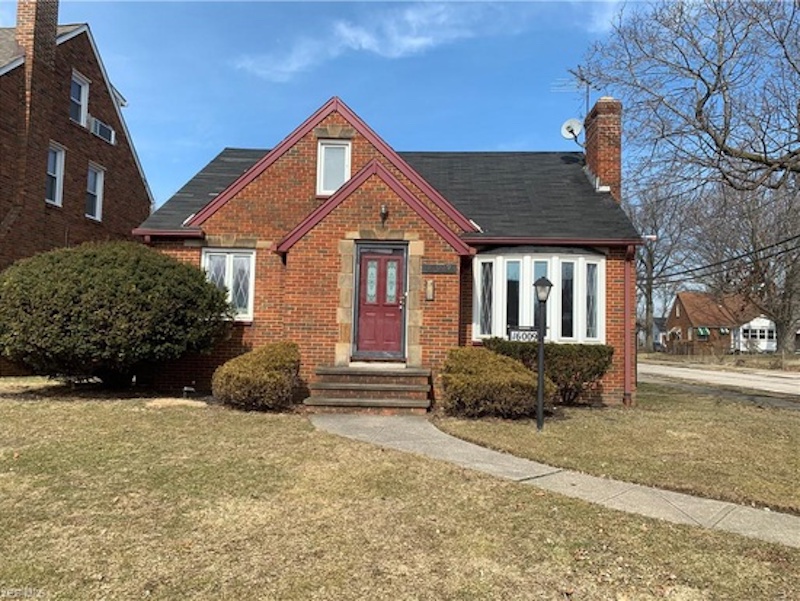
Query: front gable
[(280, 190), (374, 170)]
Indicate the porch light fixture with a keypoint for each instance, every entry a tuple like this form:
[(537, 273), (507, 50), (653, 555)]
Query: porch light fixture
[(384, 215), (542, 286)]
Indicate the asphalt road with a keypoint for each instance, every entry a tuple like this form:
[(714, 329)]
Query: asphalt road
[(783, 383)]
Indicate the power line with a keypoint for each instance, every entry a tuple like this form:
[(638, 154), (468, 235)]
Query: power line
[(729, 260), (681, 277)]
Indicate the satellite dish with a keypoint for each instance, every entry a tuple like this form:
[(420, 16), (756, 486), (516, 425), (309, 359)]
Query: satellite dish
[(572, 129)]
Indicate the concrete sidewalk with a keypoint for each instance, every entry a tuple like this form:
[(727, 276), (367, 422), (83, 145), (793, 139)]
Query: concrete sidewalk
[(415, 434)]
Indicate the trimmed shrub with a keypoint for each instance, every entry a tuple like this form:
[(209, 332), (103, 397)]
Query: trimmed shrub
[(106, 309), (575, 369), (265, 379), (480, 383)]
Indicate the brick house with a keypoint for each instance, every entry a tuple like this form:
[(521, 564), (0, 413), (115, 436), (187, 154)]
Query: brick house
[(68, 169), (701, 323), (377, 262)]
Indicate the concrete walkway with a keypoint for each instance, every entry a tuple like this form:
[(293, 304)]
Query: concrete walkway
[(415, 434)]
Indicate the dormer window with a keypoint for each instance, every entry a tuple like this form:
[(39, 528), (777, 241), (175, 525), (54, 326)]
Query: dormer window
[(79, 98), (333, 165)]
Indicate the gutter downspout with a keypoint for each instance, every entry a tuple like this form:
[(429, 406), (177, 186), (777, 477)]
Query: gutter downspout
[(627, 398)]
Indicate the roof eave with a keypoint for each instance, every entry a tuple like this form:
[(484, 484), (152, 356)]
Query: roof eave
[(519, 240), (173, 233)]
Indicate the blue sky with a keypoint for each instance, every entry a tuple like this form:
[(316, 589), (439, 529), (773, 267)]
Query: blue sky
[(200, 76)]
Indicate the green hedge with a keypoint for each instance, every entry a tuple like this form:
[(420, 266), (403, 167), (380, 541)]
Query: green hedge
[(106, 310), (575, 369), (479, 383), (263, 379)]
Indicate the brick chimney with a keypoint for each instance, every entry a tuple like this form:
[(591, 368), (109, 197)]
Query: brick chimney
[(37, 25), (604, 146), (36, 31)]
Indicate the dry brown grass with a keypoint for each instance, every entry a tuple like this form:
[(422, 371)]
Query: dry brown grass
[(112, 499), (673, 439)]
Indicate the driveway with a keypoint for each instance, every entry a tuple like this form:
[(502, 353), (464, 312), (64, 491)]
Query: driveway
[(783, 383)]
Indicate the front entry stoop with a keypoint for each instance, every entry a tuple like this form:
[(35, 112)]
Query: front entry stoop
[(370, 389)]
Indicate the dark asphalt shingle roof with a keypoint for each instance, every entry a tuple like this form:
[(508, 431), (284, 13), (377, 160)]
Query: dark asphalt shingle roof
[(524, 194), (221, 172), (508, 194), (9, 50)]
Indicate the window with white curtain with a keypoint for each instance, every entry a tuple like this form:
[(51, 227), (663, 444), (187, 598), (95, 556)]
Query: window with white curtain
[(333, 165), (233, 271)]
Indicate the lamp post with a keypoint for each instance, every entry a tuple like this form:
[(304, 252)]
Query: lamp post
[(542, 286)]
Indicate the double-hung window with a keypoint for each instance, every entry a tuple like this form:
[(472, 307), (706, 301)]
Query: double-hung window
[(233, 271), (79, 99), (95, 178), (504, 298), (54, 185), (333, 165)]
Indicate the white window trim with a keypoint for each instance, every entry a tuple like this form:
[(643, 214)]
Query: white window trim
[(84, 82), (321, 145), (59, 174), (553, 307), (246, 316), (99, 192)]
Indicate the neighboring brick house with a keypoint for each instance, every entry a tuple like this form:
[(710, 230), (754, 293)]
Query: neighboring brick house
[(701, 323), (68, 169), (377, 262)]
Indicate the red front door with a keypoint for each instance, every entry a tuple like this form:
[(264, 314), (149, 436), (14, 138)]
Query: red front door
[(381, 299)]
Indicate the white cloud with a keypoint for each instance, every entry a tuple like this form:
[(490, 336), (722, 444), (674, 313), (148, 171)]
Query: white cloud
[(392, 34), (602, 16)]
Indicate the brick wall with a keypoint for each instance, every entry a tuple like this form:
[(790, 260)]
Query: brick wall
[(35, 226), (612, 387)]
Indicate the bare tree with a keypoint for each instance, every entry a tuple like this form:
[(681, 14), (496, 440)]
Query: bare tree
[(712, 84), (711, 90), (658, 214), (749, 242)]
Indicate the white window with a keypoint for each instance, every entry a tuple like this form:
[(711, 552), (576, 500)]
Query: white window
[(95, 179), (79, 98), (54, 186), (333, 165), (233, 271), (504, 298), (103, 130)]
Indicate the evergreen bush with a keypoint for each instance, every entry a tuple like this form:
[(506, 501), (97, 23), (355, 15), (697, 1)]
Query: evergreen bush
[(266, 378), (480, 383), (105, 310), (575, 369)]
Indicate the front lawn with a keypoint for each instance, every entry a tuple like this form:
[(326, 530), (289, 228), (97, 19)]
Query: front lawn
[(672, 439), (141, 498)]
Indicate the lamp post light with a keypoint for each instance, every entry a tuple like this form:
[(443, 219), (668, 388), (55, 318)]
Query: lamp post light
[(542, 286)]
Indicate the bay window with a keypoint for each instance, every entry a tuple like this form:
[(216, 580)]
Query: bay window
[(504, 298)]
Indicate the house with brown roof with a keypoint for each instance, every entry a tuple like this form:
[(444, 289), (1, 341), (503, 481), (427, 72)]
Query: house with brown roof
[(68, 170), (701, 323), (377, 262)]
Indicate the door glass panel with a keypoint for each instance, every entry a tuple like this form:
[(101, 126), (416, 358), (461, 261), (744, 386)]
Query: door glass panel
[(512, 294), (391, 282), (372, 281)]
